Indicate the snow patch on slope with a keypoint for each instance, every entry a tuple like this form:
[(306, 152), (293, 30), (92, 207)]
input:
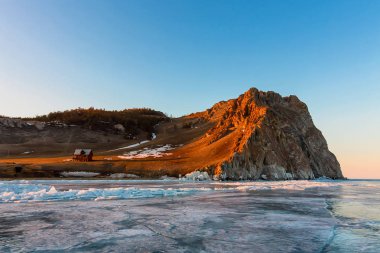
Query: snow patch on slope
[(130, 146), (123, 175), (148, 152), (79, 174)]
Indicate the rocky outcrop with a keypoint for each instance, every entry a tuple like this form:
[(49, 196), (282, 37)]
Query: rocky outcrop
[(9, 122), (274, 138), (19, 123)]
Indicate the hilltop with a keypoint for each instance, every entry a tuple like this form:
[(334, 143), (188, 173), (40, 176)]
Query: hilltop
[(259, 135), (59, 132)]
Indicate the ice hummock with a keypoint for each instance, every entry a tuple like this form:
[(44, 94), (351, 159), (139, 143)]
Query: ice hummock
[(38, 192), (52, 190), (197, 176)]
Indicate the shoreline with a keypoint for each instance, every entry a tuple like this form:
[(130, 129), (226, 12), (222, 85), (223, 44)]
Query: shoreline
[(110, 169), (175, 179)]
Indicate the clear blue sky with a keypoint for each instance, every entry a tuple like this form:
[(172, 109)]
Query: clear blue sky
[(183, 56)]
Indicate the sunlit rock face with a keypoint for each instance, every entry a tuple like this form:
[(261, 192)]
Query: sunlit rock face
[(274, 138)]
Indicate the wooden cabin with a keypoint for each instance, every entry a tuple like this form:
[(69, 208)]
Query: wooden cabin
[(83, 155)]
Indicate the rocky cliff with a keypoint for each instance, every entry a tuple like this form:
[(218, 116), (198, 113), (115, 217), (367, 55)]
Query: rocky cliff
[(274, 138)]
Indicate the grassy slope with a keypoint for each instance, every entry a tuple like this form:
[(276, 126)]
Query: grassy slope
[(191, 156)]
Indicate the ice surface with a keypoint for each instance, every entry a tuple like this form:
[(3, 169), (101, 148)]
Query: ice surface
[(45, 190), (189, 216), (294, 185)]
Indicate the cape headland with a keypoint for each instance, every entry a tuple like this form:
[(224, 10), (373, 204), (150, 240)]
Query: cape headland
[(259, 135)]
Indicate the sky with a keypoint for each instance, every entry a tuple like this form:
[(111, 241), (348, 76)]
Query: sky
[(181, 56)]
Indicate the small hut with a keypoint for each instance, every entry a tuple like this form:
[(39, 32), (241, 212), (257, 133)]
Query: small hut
[(83, 155)]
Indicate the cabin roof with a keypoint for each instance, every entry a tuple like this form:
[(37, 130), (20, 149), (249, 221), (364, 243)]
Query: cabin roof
[(78, 151)]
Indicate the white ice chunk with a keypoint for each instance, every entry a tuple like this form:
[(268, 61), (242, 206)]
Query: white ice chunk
[(197, 176)]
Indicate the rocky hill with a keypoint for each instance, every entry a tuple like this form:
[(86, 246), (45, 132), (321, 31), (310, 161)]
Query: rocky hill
[(273, 138), (259, 135)]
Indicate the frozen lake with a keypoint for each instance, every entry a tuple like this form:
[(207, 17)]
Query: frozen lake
[(178, 216)]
